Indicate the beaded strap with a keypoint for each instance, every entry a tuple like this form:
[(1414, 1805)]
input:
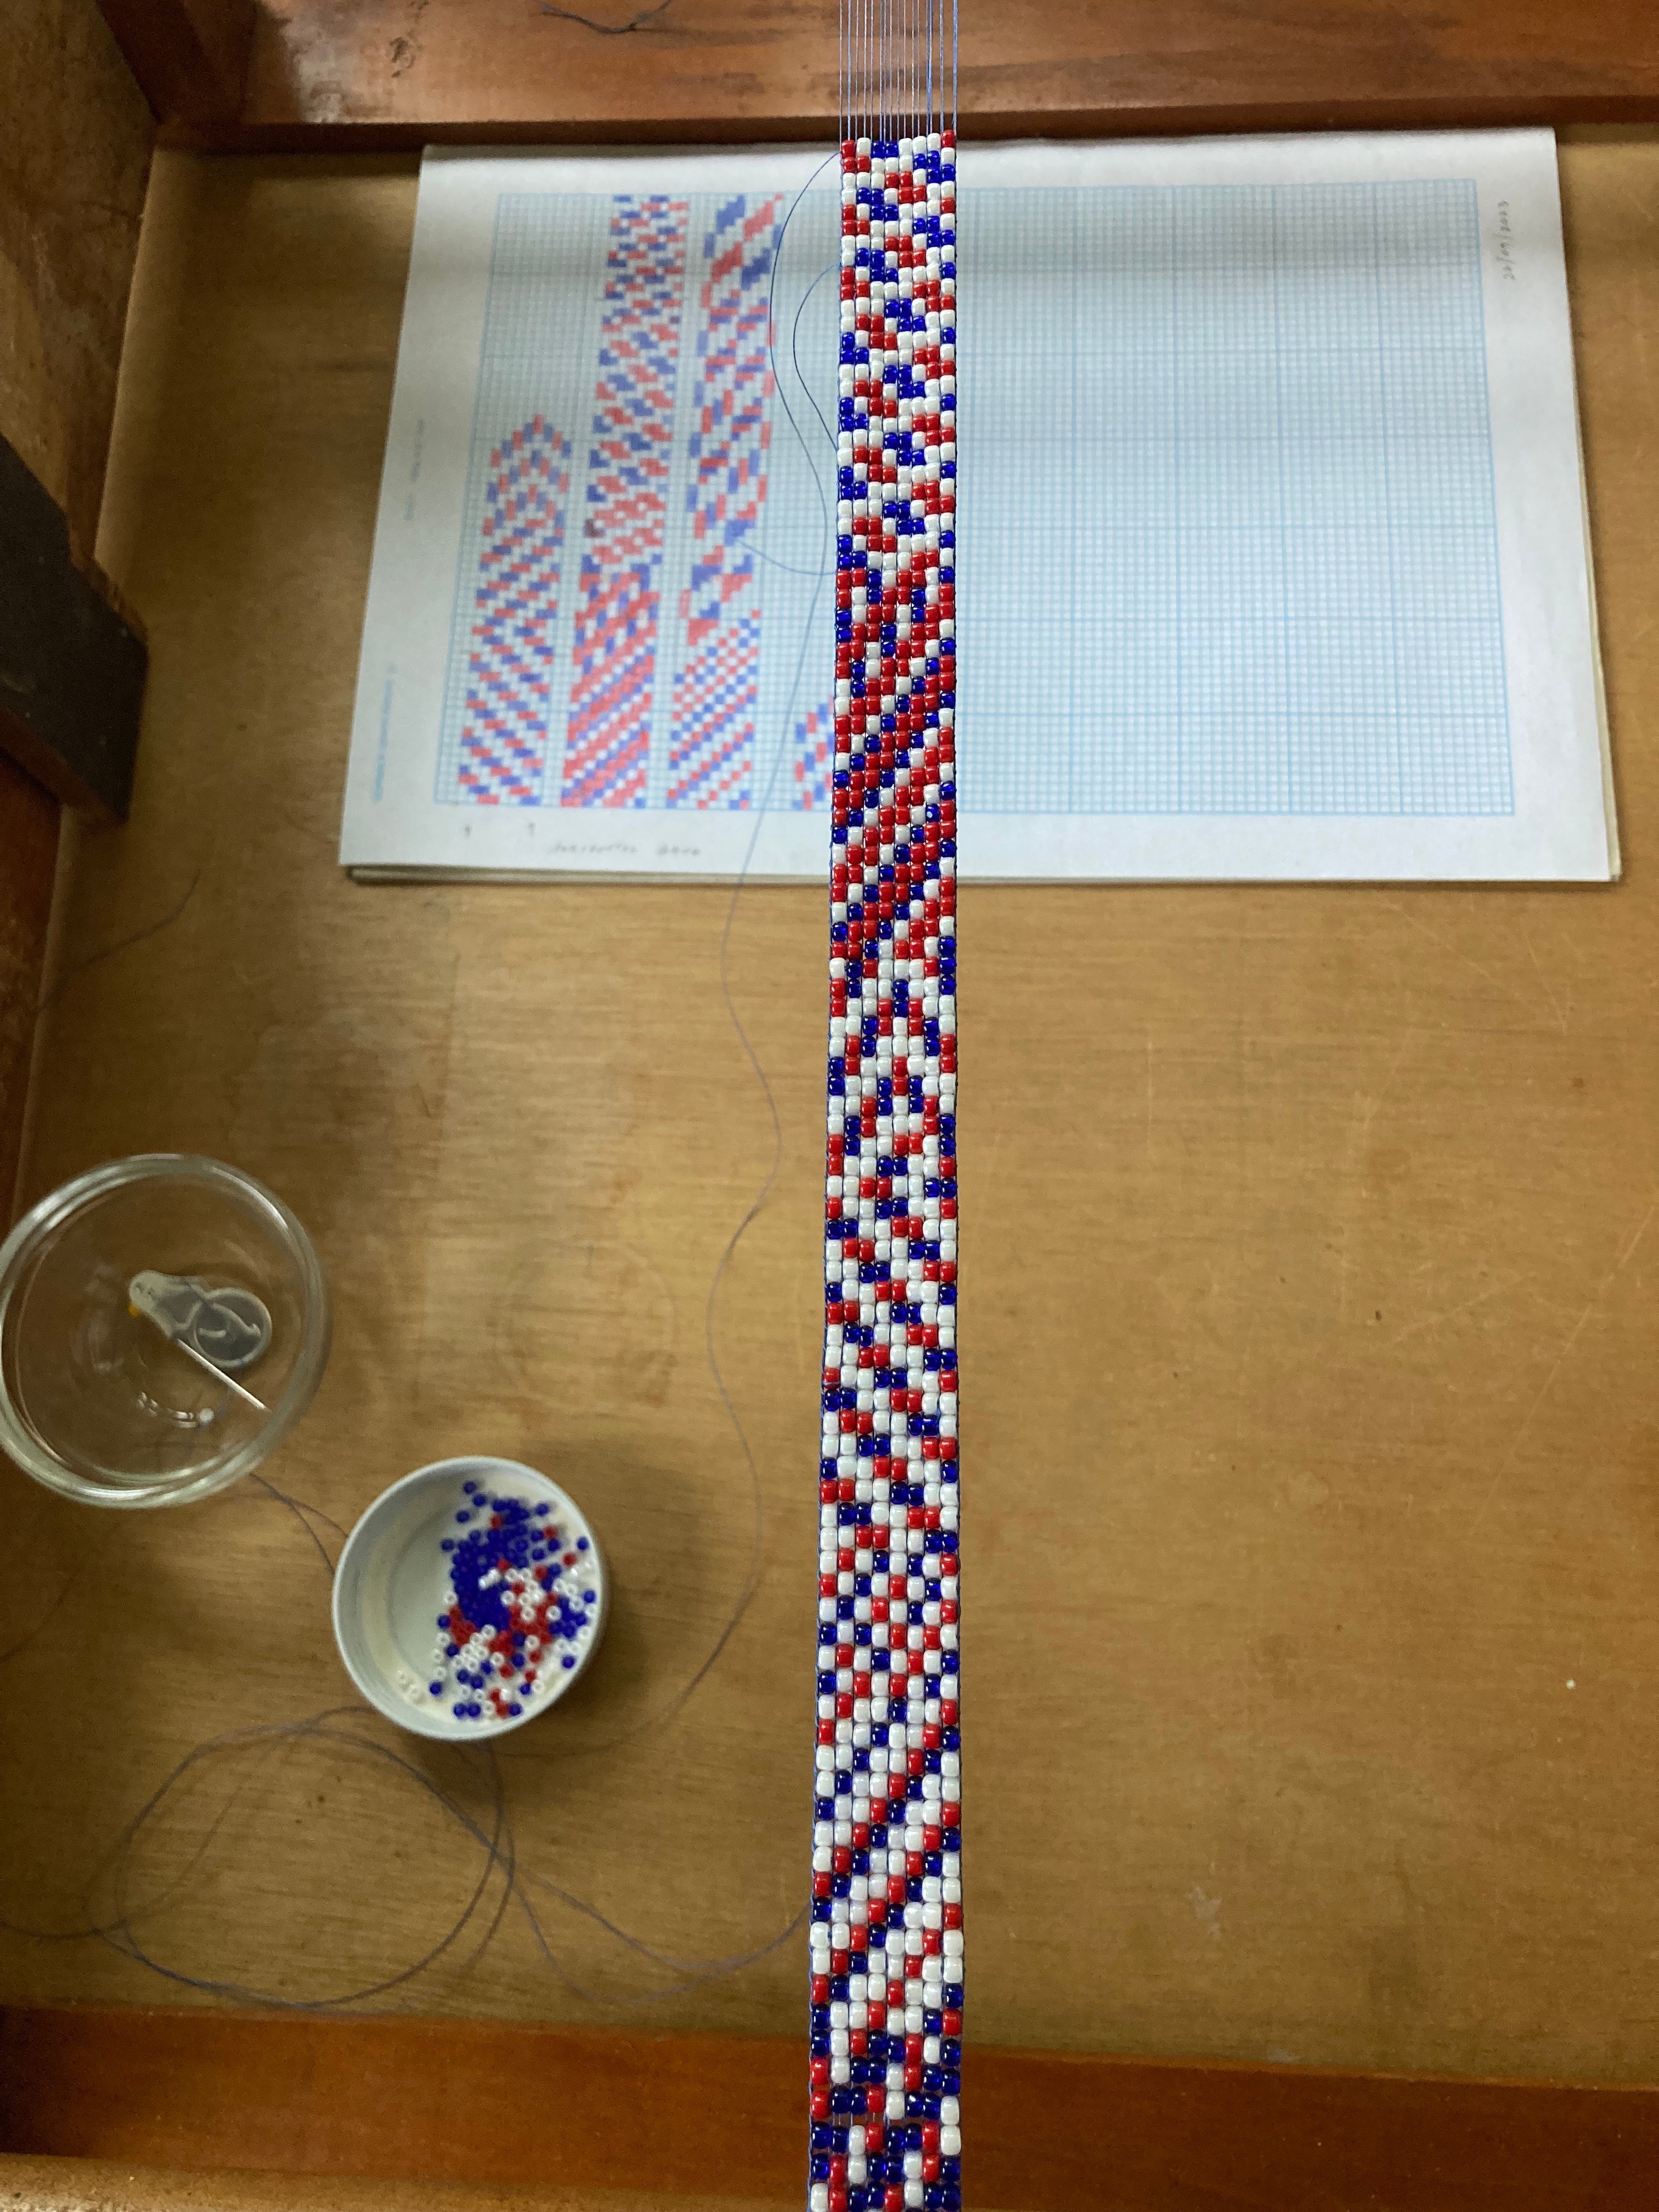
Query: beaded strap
[(886, 1930)]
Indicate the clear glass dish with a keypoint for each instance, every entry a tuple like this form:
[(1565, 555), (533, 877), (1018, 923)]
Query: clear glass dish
[(164, 1322)]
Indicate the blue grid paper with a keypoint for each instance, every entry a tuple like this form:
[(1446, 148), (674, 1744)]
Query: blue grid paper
[(1228, 530), (1228, 538), (538, 357)]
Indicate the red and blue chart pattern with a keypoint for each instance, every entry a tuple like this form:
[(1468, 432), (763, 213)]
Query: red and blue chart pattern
[(515, 603), (619, 590), (813, 748), (717, 686), (658, 663)]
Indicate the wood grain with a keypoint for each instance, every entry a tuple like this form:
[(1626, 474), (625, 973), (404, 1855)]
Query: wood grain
[(1337, 1321), (424, 2099), (81, 2184), (404, 72), (75, 139), (189, 58)]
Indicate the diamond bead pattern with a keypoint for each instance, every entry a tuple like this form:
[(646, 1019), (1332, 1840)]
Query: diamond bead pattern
[(886, 1937)]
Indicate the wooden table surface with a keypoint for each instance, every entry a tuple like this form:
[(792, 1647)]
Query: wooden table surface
[(1311, 1404), (404, 72)]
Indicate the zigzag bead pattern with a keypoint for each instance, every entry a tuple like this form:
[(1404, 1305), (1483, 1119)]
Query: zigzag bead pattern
[(711, 747), (614, 650), (503, 744), (886, 1935)]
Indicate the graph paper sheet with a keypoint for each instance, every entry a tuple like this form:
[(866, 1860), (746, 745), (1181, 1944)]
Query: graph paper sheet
[(1272, 557)]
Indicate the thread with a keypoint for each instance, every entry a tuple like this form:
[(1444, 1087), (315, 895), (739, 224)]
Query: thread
[(503, 1886), (897, 67)]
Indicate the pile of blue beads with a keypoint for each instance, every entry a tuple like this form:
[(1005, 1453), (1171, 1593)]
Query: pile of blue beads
[(523, 1602)]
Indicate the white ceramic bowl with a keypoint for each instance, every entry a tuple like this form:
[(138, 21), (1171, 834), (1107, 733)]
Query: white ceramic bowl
[(392, 1592)]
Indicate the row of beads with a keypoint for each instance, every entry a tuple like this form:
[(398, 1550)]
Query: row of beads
[(522, 1603), (886, 1950)]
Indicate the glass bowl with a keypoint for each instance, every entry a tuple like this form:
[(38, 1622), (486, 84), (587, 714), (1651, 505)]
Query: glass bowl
[(164, 1322)]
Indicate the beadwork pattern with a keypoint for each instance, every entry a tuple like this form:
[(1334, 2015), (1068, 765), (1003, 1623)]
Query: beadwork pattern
[(887, 1941), (814, 735), (521, 1606), (614, 649), (503, 742), (711, 745)]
